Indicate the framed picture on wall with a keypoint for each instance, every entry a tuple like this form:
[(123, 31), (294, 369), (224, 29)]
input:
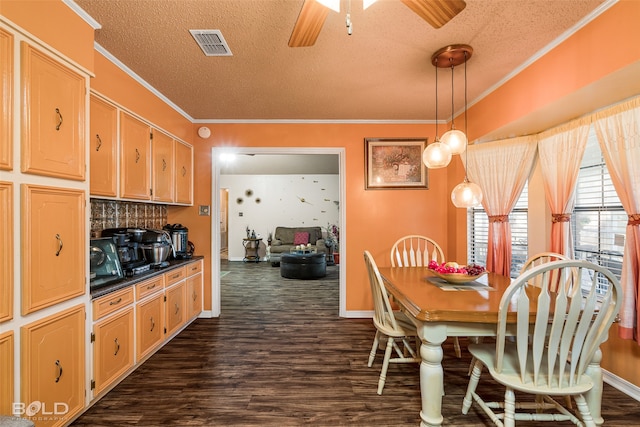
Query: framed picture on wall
[(395, 163)]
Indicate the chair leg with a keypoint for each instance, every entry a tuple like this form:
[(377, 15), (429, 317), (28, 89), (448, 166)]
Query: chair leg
[(456, 347), (584, 411), (471, 388), (385, 365), (509, 408), (374, 348)]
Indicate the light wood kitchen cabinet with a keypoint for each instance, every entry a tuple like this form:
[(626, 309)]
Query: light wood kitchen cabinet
[(53, 117), (53, 246), (6, 373), (149, 324), (103, 144), (52, 369), (194, 295), (162, 170), (176, 314), (112, 302), (6, 251), (113, 348), (149, 287), (174, 276), (6, 100), (194, 289), (184, 173), (135, 158)]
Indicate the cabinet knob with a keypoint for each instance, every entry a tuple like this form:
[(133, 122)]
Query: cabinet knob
[(59, 119), (118, 301), (98, 142), (164, 165), (184, 171), (137, 155), (117, 347), (177, 308), (153, 325)]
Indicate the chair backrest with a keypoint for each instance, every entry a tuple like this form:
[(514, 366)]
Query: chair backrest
[(558, 333), (539, 259), (383, 316), (415, 251)]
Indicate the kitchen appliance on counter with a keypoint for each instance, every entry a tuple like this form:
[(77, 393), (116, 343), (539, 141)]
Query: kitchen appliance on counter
[(156, 246), (180, 239), (128, 242), (104, 263)]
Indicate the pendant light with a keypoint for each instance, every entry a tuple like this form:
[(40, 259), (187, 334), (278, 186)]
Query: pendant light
[(467, 194), (436, 155), (454, 138)]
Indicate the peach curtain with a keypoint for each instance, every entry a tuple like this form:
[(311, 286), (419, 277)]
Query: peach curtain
[(618, 130), (560, 151), (501, 169)]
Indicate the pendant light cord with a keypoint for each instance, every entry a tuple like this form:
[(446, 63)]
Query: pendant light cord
[(466, 154), (436, 64), (452, 110)]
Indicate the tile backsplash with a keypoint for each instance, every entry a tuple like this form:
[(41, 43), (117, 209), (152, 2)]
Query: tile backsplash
[(116, 213)]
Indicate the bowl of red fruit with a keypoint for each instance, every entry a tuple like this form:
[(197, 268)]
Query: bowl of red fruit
[(452, 272)]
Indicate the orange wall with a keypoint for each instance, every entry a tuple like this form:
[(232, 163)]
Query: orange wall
[(55, 24), (375, 219)]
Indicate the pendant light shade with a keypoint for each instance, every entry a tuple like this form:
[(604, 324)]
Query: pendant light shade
[(466, 195), (436, 155), (456, 140)]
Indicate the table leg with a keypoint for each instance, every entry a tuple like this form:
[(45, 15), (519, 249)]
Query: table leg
[(594, 396), (431, 374)]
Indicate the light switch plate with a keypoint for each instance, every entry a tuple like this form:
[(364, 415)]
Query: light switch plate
[(204, 210)]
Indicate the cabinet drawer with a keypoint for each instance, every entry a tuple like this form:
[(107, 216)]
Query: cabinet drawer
[(112, 302), (174, 276), (194, 268), (149, 287)]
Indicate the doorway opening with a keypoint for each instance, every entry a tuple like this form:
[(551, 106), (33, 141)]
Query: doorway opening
[(220, 212)]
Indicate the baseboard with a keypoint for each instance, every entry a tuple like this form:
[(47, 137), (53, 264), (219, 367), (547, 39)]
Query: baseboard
[(631, 390), (351, 314)]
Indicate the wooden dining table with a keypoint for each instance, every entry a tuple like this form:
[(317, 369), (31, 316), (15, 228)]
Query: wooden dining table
[(440, 310)]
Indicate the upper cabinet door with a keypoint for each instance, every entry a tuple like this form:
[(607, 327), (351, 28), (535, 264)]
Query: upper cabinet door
[(184, 173), (162, 167), (53, 117), (103, 147), (53, 246), (135, 159), (6, 100)]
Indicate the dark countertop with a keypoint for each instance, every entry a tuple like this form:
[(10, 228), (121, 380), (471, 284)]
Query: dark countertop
[(130, 281)]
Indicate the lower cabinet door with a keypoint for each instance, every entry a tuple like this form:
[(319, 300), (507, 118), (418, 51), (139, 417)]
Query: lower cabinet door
[(53, 368), (194, 295), (176, 309), (6, 373), (149, 322), (113, 348)]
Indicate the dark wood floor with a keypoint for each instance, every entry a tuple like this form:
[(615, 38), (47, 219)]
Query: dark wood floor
[(279, 355)]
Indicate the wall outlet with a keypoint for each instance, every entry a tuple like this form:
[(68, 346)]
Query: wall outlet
[(204, 210)]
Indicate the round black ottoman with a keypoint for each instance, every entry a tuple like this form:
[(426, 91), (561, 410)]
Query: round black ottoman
[(303, 266)]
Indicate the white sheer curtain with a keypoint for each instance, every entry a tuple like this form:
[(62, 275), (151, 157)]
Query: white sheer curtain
[(618, 130), (501, 169), (560, 151)]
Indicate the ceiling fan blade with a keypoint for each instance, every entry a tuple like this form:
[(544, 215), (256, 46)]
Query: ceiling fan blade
[(309, 24), (436, 12)]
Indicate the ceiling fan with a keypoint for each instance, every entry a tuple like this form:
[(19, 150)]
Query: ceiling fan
[(313, 14)]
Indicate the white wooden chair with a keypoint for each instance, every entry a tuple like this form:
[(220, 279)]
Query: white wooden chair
[(569, 327), (416, 251), (394, 326), (539, 259)]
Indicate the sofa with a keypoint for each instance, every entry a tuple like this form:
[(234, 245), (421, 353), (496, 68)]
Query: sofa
[(284, 239)]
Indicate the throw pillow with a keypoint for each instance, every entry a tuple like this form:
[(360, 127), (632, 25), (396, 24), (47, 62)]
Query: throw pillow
[(300, 238)]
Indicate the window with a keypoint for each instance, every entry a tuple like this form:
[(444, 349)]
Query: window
[(598, 222), (478, 232)]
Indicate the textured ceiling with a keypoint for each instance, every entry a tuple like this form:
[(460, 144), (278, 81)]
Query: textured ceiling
[(381, 72)]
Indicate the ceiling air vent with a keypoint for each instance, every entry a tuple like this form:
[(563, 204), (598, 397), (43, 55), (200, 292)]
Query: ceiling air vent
[(211, 42)]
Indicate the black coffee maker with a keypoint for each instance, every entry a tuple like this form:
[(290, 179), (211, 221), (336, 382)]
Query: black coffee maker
[(128, 247)]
